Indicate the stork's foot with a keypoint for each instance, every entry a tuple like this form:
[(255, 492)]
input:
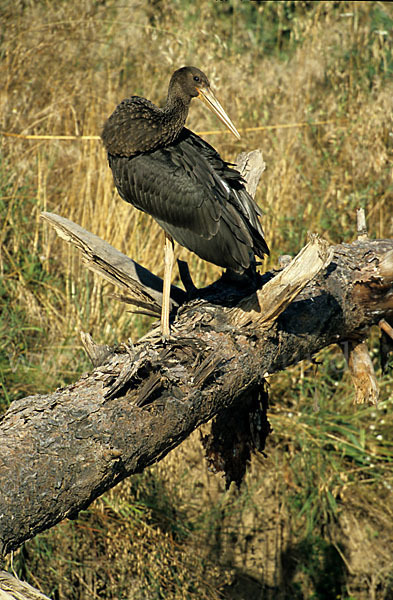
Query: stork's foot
[(166, 330), (168, 337), (165, 336)]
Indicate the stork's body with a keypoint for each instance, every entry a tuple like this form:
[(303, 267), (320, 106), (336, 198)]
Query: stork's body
[(167, 171)]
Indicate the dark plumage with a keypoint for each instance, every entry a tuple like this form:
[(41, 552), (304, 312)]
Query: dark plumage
[(167, 171)]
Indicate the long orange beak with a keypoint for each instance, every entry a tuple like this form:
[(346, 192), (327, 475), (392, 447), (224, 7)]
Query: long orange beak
[(206, 95)]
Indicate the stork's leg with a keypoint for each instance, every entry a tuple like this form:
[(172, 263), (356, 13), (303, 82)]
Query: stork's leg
[(166, 292)]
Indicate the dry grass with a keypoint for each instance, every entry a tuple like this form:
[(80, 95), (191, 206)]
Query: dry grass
[(64, 75), (63, 70)]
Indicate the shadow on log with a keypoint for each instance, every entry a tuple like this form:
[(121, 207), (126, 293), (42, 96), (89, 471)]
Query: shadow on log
[(60, 451)]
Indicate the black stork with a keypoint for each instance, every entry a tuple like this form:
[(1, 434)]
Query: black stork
[(172, 174)]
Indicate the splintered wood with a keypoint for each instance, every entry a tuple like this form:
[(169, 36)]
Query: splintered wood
[(263, 308), (144, 288)]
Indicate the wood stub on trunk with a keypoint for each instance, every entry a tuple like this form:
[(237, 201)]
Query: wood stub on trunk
[(361, 224), (386, 328), (362, 373), (251, 166), (98, 354)]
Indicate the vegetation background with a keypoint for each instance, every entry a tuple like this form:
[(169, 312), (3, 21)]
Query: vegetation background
[(310, 83)]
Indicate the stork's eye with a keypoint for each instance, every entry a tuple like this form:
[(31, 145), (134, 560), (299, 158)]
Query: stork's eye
[(196, 78)]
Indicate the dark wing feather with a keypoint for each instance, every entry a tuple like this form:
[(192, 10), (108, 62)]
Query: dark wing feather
[(196, 197)]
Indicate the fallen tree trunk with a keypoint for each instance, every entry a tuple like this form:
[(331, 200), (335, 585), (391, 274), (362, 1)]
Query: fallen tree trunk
[(59, 451)]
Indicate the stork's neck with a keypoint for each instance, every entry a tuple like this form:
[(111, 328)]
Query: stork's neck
[(175, 111)]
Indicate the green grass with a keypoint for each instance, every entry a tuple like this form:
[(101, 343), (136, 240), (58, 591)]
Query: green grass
[(29, 359)]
